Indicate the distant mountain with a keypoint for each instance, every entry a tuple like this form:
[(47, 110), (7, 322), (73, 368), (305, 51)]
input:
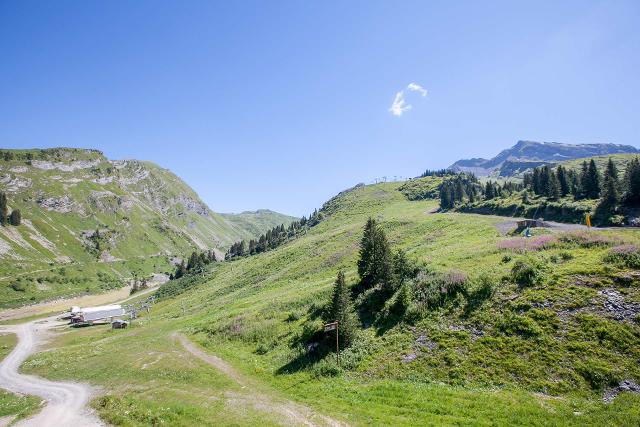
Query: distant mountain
[(254, 223), (528, 154), (89, 214)]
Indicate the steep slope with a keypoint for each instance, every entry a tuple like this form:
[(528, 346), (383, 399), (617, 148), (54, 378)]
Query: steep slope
[(254, 223), (86, 213), (499, 352), (527, 154)]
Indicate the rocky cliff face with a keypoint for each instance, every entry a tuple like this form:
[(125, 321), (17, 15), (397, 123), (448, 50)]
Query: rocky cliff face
[(138, 209)]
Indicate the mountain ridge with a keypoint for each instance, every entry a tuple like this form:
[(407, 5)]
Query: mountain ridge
[(537, 152), (78, 206)]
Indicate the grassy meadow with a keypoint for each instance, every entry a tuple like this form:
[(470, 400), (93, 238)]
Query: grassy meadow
[(536, 354)]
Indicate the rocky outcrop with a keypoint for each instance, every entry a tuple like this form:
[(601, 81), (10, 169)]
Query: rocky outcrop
[(63, 204), (65, 166), (192, 205)]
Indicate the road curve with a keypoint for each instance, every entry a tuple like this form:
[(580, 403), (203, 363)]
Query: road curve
[(66, 401)]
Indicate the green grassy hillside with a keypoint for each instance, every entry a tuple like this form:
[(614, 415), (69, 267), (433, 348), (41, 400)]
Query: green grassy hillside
[(90, 223), (506, 351)]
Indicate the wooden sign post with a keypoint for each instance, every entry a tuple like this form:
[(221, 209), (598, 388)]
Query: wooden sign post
[(333, 326)]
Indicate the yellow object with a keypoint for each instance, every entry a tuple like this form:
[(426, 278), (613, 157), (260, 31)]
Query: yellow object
[(589, 220)]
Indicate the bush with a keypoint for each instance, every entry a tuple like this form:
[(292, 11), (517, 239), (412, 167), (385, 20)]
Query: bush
[(515, 324), (625, 255), (18, 287), (587, 239), (597, 373), (523, 244), (435, 290), (293, 316), (526, 272)]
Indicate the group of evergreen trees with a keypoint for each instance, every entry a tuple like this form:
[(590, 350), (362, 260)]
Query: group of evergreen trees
[(381, 273), (588, 183), (15, 218), (544, 181), (273, 237), (439, 172), (465, 188), (195, 264)]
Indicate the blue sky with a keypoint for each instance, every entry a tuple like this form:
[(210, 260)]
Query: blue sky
[(282, 104)]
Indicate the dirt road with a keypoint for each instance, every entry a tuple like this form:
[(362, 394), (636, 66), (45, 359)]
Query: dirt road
[(67, 402), (290, 413)]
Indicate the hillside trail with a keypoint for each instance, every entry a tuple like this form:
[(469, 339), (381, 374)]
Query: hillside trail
[(66, 401), (291, 413)]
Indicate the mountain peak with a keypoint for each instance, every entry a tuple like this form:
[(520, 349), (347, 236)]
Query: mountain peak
[(533, 151)]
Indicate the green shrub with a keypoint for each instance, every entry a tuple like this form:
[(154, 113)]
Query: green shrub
[(527, 272), (18, 287), (597, 373), (436, 290), (515, 324), (624, 255)]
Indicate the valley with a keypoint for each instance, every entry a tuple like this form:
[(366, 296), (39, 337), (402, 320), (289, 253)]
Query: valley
[(547, 353)]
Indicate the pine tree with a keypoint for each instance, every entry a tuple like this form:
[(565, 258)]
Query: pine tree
[(489, 191), (343, 311), (593, 180), (632, 183), (535, 182), (4, 210), (584, 180), (374, 265), (554, 187), (402, 269), (563, 180), (16, 217)]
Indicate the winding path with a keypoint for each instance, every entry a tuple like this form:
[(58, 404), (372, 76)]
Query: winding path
[(67, 401)]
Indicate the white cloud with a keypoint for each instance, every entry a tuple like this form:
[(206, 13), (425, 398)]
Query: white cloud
[(417, 88), (399, 105)]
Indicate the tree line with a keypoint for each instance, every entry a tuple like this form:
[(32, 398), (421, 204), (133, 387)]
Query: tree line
[(437, 172), (466, 188), (612, 190), (273, 237), (15, 218), (196, 263)]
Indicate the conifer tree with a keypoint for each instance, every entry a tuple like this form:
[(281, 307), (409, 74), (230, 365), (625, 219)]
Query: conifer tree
[(374, 265), (563, 180), (632, 183), (593, 181), (343, 311), (553, 191), (16, 217), (584, 180), (4, 210), (489, 191)]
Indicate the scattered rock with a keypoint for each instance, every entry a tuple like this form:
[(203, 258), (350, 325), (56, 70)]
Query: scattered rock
[(627, 278), (616, 306), (192, 205), (62, 204), (424, 342), (409, 358), (625, 385)]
